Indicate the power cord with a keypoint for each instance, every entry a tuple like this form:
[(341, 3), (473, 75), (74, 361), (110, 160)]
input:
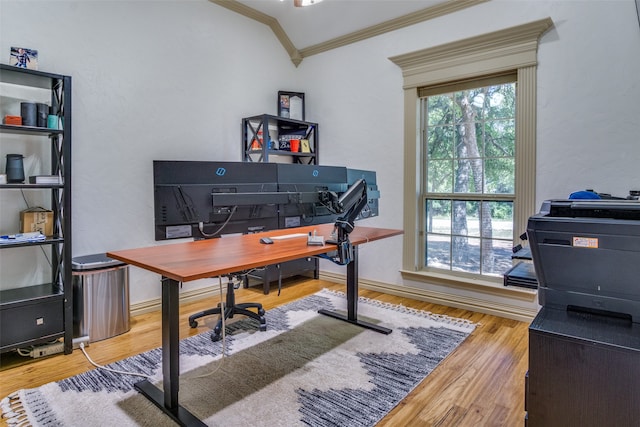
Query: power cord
[(115, 371), (215, 233), (224, 347)]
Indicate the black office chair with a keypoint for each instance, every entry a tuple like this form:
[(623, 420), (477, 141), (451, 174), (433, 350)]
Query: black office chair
[(231, 309)]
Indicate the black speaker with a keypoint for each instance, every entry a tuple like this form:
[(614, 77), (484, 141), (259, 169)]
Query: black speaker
[(15, 168)]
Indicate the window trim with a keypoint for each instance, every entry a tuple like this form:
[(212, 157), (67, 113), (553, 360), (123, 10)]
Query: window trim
[(511, 49)]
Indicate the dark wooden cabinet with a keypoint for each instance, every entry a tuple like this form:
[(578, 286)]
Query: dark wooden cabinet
[(584, 370)]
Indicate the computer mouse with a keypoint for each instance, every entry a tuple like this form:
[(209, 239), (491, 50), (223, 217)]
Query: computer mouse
[(266, 240)]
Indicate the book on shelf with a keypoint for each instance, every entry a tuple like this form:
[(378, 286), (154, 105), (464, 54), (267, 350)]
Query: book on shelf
[(45, 179)]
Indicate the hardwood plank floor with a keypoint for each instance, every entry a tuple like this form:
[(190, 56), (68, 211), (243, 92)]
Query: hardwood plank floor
[(480, 384)]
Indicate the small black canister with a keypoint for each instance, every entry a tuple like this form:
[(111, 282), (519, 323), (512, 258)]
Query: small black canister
[(43, 113), (29, 113)]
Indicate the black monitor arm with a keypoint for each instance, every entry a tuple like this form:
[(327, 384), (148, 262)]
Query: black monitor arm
[(350, 204)]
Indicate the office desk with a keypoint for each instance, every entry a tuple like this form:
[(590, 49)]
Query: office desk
[(183, 262)]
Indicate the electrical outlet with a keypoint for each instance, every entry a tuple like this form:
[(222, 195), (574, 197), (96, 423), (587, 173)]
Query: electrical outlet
[(47, 349)]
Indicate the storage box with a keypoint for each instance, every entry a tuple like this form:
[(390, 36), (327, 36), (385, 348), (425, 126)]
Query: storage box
[(13, 120), (36, 219)]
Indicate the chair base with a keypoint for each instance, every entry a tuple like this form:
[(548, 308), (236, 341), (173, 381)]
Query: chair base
[(228, 310)]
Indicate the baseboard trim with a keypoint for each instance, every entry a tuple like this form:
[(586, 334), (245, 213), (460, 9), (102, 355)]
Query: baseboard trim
[(187, 296), (450, 300), (480, 305)]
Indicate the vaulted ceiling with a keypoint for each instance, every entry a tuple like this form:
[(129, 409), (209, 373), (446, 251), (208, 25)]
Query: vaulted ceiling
[(306, 31)]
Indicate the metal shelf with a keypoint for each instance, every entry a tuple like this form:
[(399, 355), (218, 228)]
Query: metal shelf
[(29, 294), (47, 241), (32, 186), (51, 303), (30, 130), (256, 132)]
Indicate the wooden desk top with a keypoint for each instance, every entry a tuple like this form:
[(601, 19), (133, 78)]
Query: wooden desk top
[(214, 257)]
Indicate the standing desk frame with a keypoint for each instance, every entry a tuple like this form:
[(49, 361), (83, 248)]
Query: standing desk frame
[(184, 262)]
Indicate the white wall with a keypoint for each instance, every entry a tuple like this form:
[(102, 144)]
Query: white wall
[(588, 110), (172, 79), (152, 80)]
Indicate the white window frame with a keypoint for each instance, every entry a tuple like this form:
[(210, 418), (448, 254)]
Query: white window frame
[(512, 49)]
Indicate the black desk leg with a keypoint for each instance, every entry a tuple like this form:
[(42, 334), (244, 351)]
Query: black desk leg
[(167, 399), (352, 298)]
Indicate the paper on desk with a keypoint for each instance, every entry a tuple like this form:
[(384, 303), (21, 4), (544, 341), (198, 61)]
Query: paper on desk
[(288, 236)]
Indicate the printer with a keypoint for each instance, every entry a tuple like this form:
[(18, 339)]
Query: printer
[(586, 255)]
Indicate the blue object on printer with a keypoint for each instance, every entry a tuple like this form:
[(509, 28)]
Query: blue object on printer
[(586, 194), (586, 255)]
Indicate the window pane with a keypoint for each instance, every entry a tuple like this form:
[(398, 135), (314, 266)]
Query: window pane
[(438, 216), (468, 176), (466, 219), (465, 253), (501, 216), (440, 110), (500, 176), (500, 138), (438, 248), (500, 101), (472, 148), (497, 260), (440, 176), (440, 142)]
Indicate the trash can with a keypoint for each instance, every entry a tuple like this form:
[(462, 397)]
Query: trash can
[(100, 297)]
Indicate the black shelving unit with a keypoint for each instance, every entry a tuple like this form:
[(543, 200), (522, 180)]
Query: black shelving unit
[(41, 312), (265, 135)]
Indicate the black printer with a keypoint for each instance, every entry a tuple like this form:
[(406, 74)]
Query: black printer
[(586, 255)]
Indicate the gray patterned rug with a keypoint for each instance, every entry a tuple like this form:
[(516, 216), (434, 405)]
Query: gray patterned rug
[(306, 369)]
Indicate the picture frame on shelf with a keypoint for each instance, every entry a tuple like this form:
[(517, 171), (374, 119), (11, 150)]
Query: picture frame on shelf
[(23, 57), (305, 147), (291, 105)]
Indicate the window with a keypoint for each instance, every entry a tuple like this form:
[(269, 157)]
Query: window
[(499, 197), (468, 141)]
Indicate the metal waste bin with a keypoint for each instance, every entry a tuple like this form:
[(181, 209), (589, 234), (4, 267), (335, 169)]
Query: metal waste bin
[(100, 297)]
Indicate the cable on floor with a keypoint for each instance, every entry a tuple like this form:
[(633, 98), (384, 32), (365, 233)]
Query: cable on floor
[(115, 371)]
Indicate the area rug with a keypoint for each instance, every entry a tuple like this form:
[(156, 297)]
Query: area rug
[(305, 370)]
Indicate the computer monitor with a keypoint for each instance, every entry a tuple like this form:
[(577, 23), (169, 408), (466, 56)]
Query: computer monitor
[(184, 192), (310, 181), (205, 199)]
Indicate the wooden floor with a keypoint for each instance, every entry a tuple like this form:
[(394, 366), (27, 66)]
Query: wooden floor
[(480, 384)]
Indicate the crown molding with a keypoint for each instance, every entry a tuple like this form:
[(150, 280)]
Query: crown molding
[(505, 49), (297, 55), (422, 15)]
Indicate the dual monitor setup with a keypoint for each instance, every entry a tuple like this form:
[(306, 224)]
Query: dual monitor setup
[(202, 199)]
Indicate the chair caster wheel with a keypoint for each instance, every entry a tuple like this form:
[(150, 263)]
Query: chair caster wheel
[(215, 337), (261, 312), (193, 324), (263, 328)]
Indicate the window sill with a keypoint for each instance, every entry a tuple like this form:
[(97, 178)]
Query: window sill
[(471, 284)]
